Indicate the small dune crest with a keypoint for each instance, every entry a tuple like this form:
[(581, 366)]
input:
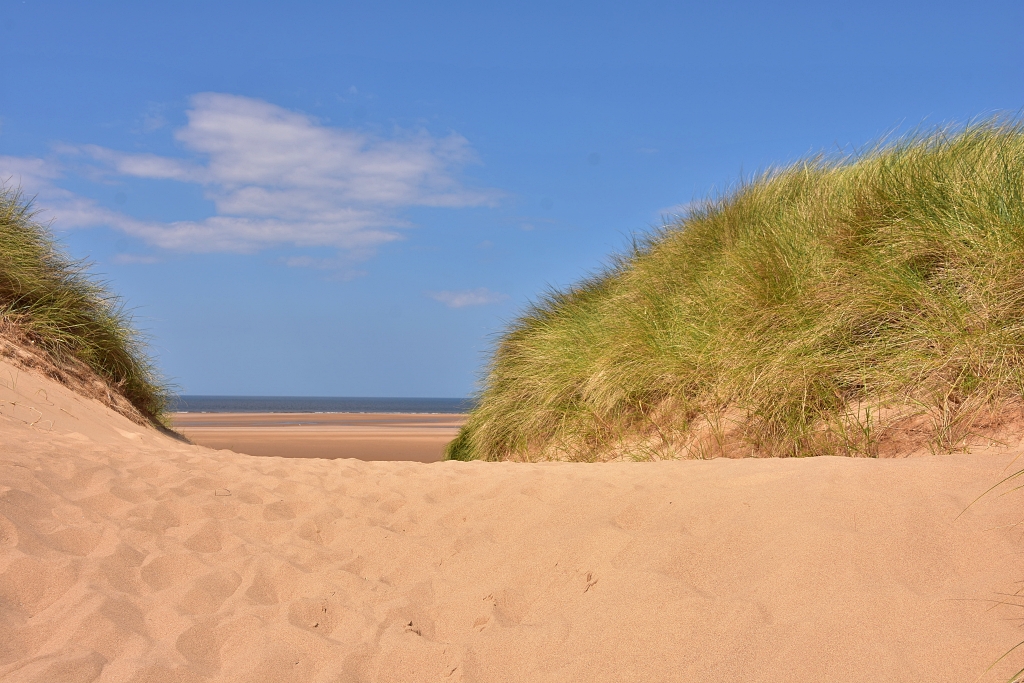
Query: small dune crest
[(17, 349), (864, 305), (58, 319)]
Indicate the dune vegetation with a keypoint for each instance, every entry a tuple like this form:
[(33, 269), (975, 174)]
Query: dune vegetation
[(820, 308), (50, 301)]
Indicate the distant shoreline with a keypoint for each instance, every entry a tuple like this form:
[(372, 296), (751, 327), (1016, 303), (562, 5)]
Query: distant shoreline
[(316, 412), (193, 404), (420, 437)]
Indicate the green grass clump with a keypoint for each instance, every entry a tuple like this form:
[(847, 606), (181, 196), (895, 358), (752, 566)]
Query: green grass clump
[(803, 313), (51, 301)]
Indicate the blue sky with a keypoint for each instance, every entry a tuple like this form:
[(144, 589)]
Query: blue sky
[(352, 199)]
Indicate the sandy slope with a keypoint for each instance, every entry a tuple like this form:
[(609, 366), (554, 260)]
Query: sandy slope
[(125, 556)]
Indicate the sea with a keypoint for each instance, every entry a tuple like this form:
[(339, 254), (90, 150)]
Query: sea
[(317, 404)]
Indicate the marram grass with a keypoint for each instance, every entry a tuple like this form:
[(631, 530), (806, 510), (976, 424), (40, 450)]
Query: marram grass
[(803, 313), (51, 300)]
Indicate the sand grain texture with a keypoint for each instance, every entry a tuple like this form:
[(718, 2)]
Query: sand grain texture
[(126, 556)]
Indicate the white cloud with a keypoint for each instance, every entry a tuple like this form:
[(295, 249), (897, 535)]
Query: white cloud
[(468, 297), (275, 177), (35, 179), (142, 165), (154, 118), (27, 171)]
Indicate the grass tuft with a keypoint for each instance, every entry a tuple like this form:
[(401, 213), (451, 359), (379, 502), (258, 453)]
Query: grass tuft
[(812, 310), (54, 304)]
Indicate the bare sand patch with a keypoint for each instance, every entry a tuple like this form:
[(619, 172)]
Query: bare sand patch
[(127, 556)]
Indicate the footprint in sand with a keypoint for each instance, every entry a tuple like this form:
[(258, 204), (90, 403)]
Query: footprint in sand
[(33, 585), (207, 539), (74, 540), (87, 668), (209, 592), (261, 590), (167, 570), (277, 512), (200, 646), (8, 533), (313, 615), (632, 518)]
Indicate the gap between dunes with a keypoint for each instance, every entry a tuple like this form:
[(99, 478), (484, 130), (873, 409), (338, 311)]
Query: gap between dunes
[(128, 556), (421, 437)]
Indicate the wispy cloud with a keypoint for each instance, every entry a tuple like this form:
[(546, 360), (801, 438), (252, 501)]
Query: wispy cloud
[(275, 177), (468, 297), (133, 259), (341, 267), (27, 171)]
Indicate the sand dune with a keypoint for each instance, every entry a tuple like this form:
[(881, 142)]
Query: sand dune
[(127, 556), (366, 436)]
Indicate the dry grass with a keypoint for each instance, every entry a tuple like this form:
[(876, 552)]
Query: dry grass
[(811, 311), (50, 303)]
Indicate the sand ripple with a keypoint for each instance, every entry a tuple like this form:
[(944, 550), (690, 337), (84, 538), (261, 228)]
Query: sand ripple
[(125, 556)]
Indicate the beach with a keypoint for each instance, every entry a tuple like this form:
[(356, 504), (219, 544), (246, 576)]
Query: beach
[(417, 437), (128, 556)]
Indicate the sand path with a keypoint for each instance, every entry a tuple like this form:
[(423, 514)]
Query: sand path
[(126, 556)]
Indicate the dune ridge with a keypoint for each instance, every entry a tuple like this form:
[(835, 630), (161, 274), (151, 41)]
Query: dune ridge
[(67, 321), (128, 556), (828, 307)]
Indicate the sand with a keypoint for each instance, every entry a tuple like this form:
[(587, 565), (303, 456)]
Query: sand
[(127, 556), (367, 436)]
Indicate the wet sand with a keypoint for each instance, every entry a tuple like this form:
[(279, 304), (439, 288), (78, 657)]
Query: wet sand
[(415, 437)]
